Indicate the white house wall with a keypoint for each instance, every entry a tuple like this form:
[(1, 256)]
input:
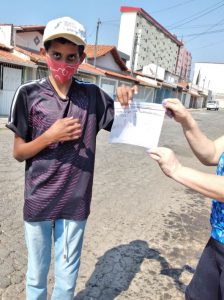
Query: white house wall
[(30, 40), (107, 62), (127, 34), (5, 102), (11, 78), (11, 81), (5, 34)]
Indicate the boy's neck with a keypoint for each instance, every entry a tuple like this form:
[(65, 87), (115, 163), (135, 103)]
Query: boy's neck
[(61, 89)]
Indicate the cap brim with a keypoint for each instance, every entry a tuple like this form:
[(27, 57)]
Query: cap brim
[(72, 38)]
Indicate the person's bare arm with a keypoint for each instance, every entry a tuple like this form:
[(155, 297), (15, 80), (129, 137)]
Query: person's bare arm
[(62, 130), (209, 185), (206, 150)]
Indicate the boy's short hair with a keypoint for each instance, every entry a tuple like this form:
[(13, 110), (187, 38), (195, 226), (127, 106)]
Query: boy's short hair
[(62, 40), (66, 28)]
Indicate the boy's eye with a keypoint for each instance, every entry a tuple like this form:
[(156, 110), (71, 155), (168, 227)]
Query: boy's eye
[(56, 56), (72, 58)]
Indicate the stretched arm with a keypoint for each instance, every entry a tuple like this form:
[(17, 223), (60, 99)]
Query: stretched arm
[(206, 150), (62, 130), (209, 185)]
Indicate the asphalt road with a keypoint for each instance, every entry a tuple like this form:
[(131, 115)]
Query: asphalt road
[(145, 232)]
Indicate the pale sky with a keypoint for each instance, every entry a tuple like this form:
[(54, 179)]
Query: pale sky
[(199, 23)]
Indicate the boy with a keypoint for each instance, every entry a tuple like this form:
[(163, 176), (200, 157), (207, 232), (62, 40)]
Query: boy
[(208, 280), (56, 120)]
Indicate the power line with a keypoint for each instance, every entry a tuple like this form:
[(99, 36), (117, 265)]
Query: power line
[(197, 15), (208, 31), (173, 6), (199, 26), (208, 45)]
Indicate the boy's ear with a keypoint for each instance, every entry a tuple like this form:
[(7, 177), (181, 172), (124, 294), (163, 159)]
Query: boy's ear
[(82, 58), (42, 51)]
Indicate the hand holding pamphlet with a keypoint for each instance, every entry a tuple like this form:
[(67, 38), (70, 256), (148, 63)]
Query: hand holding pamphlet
[(138, 124)]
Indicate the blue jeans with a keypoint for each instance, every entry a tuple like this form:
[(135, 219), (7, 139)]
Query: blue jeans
[(68, 238)]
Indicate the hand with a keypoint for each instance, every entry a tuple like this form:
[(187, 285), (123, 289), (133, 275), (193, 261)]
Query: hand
[(175, 109), (66, 129), (125, 94), (166, 159)]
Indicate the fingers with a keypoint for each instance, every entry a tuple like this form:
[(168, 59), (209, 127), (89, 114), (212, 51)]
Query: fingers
[(70, 121), (154, 156), (74, 131), (174, 108), (125, 94), (170, 100), (160, 153), (70, 129)]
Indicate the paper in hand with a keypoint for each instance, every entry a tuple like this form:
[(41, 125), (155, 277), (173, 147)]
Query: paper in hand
[(139, 124)]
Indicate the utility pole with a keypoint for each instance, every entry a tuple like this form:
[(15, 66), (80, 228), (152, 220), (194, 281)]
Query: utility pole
[(96, 40)]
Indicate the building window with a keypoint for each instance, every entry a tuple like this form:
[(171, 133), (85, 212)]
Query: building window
[(109, 86), (42, 72), (27, 74)]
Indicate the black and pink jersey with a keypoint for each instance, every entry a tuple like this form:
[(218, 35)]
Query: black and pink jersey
[(58, 180)]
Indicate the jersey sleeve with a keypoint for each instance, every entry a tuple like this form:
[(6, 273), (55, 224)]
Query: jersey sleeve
[(18, 118), (105, 110)]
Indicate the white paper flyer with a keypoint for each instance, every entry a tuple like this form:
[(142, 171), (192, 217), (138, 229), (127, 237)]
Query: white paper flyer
[(139, 124)]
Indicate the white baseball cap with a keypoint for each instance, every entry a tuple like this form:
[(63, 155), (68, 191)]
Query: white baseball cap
[(67, 28)]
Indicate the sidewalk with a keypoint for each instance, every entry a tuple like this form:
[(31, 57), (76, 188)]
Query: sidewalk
[(3, 121)]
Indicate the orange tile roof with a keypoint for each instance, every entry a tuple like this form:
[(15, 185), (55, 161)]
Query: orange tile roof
[(34, 56), (91, 69), (102, 50), (9, 57), (100, 71)]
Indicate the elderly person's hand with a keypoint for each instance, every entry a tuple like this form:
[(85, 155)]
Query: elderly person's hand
[(166, 159)]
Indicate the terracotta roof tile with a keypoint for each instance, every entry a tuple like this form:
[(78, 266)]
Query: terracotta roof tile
[(9, 57), (91, 69), (100, 71), (102, 50), (34, 56)]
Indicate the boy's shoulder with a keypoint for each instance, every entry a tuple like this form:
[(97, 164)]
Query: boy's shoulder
[(33, 85)]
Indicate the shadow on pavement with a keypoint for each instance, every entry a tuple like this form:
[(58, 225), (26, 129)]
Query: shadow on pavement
[(115, 270)]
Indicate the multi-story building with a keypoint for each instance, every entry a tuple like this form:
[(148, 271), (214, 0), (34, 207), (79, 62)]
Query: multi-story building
[(184, 62), (148, 43)]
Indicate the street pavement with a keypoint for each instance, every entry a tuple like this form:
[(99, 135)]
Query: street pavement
[(145, 232)]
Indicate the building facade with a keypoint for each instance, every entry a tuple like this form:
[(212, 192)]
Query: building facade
[(149, 43)]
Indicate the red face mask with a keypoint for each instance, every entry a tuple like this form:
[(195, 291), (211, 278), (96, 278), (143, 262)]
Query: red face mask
[(61, 71)]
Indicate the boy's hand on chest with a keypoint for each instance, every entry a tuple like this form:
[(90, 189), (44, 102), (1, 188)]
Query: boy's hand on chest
[(66, 129)]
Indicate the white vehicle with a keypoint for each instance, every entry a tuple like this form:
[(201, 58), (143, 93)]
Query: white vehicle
[(212, 105)]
